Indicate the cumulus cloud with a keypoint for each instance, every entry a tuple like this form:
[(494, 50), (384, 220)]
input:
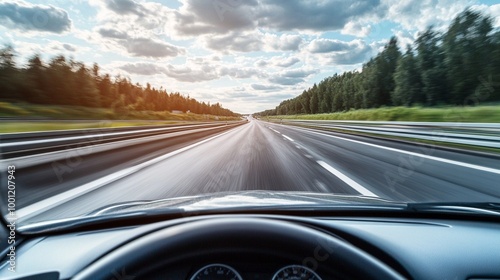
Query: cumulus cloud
[(143, 68), (30, 17), (341, 52), (312, 15), (112, 33), (284, 42), (147, 47), (197, 17), (240, 73), (419, 15), (292, 77), (328, 45), (358, 54), (180, 73), (265, 87), (287, 62), (125, 7), (140, 46), (356, 29), (215, 17), (69, 47), (186, 74), (195, 70), (234, 41)]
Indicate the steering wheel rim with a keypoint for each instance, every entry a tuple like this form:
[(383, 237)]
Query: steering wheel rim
[(313, 246)]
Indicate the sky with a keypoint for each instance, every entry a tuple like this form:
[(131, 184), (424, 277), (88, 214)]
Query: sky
[(249, 55)]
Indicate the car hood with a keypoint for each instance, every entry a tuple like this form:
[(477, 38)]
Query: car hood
[(247, 200)]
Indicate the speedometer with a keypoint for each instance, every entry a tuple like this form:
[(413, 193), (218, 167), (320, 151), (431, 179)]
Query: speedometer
[(295, 272), (216, 272)]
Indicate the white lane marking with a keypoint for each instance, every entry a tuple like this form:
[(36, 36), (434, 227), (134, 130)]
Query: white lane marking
[(288, 138), (362, 190), (308, 156), (56, 200), (273, 130), (449, 161)]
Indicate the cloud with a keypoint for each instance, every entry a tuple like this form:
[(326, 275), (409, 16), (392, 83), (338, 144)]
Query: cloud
[(356, 29), (69, 47), (180, 73), (288, 62), (140, 46), (285, 42), (147, 47), (340, 52), (195, 70), (357, 54), (112, 33), (265, 87), (241, 73), (234, 41), (292, 77), (186, 74), (198, 17), (418, 15), (125, 7), (298, 73), (142, 68), (328, 45), (312, 15), (30, 17), (261, 63)]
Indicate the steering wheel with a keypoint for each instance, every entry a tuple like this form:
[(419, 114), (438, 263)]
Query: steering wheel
[(312, 247)]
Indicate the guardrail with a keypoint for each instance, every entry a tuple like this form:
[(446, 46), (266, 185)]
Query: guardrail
[(15, 145), (476, 134)]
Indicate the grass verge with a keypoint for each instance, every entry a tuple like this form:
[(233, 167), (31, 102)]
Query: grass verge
[(485, 114), (24, 117)]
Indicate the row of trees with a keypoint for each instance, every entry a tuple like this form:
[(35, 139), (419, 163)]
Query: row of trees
[(458, 67), (64, 81)]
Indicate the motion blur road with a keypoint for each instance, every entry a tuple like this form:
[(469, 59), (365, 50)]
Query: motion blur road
[(265, 156)]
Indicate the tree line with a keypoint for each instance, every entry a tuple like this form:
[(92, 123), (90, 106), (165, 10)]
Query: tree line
[(460, 66), (63, 81)]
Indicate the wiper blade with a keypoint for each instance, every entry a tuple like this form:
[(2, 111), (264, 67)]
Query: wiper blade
[(475, 208)]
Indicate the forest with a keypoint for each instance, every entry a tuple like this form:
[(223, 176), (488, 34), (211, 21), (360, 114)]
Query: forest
[(458, 67), (63, 81)]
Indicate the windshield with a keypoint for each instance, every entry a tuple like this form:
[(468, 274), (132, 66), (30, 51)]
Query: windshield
[(181, 105)]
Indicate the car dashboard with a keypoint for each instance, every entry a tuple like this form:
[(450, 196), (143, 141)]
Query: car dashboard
[(260, 246)]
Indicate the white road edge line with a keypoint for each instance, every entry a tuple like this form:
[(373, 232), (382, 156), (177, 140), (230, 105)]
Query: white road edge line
[(449, 161), (289, 139), (61, 198), (362, 190)]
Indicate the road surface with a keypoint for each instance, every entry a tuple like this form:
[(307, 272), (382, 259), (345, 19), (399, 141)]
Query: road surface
[(266, 156)]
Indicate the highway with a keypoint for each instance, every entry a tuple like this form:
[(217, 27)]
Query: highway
[(265, 156)]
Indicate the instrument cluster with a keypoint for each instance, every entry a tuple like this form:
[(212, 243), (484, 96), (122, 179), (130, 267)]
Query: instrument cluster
[(226, 272)]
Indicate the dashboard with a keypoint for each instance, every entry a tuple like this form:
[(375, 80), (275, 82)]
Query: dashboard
[(267, 247)]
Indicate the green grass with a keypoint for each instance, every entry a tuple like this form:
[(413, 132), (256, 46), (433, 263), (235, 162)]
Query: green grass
[(487, 114), (25, 126), (59, 117)]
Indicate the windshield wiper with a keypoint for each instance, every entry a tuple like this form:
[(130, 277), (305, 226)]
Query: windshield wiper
[(474, 208)]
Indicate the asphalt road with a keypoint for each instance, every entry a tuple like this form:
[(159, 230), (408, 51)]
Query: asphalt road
[(265, 156)]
